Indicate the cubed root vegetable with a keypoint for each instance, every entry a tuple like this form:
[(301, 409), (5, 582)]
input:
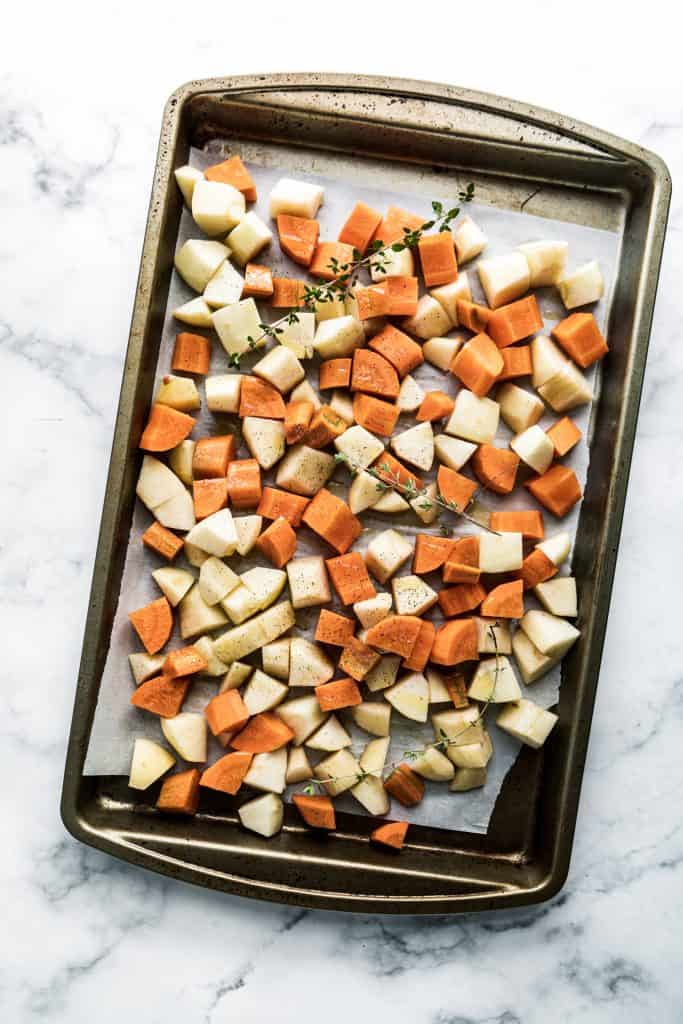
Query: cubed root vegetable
[(478, 364), (161, 696), (558, 490), (329, 260), (257, 398), (233, 172), (180, 793), (350, 578), (462, 564), (226, 712), (437, 258), (209, 496), (455, 489), (528, 522), (404, 354), (463, 597), (473, 317), (263, 733), (401, 297), (298, 416), (536, 568), (333, 628), (317, 811), (212, 455), (374, 374), (325, 426), (564, 434), (395, 223), (357, 659), (275, 503), (436, 405), (288, 293), (258, 282), (455, 642), (393, 472), (581, 338), (505, 601), (405, 785), (395, 635), (392, 834), (360, 226), (166, 428), (341, 693), (517, 320), (457, 690), (495, 468), (375, 415), (153, 623), (227, 773), (298, 237), (191, 353), (430, 553), (516, 362), (334, 373), (244, 483), (422, 648), (332, 519), (278, 542), (371, 302), (159, 539), (185, 661)]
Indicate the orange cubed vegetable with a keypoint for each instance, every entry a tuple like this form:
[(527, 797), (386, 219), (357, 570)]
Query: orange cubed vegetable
[(455, 489), (505, 601), (209, 496), (495, 468), (392, 834), (423, 647), (402, 296), (396, 634), (405, 785), (330, 259), (371, 301), (395, 224), (153, 624), (373, 374), (357, 659), (191, 353), (478, 364), (536, 568), (212, 455), (516, 362), (350, 578), (185, 661), (298, 237), (332, 519), (391, 471), (264, 733), (275, 503), (298, 416), (227, 773), (359, 227), (161, 695), (244, 483), (340, 693), (180, 793), (558, 490), (288, 293), (517, 320), (464, 597), (436, 405), (581, 338), (226, 712), (317, 811), (233, 172), (430, 552), (473, 317), (528, 522), (455, 642), (325, 425), (404, 354), (334, 373), (462, 564), (334, 629), (258, 398), (166, 428), (278, 542), (159, 539), (258, 282), (375, 415), (437, 257), (564, 434), (457, 690)]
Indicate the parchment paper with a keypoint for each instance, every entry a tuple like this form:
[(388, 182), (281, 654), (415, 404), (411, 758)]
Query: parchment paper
[(117, 723)]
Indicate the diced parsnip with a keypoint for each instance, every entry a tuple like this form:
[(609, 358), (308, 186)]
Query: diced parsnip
[(386, 553), (531, 663), (494, 680), (337, 338), (556, 548), (265, 439), (215, 534), (359, 446), (410, 395), (173, 583), (474, 419), (415, 445), (373, 609), (558, 596), (383, 674), (214, 666), (237, 674), (281, 368), (466, 779), (303, 716), (373, 717), (546, 260), (452, 451), (149, 762), (581, 286), (275, 658), (448, 295), (500, 552), (216, 206), (240, 641), (197, 617), (392, 264), (144, 666), (493, 636), (305, 470), (342, 404), (504, 278), (156, 483), (567, 389), (236, 324), (305, 393), (425, 506), (527, 722), (177, 513), (308, 582), (197, 261), (374, 756), (223, 392), (534, 448), (458, 728), (430, 321), (186, 733), (225, 287), (263, 693), (519, 408), (247, 529), (546, 358), (470, 240), (180, 460), (549, 633), (412, 596), (248, 238), (299, 198), (186, 178), (472, 755), (364, 492), (441, 352), (267, 772), (308, 663), (338, 772), (372, 795), (196, 312), (298, 766), (178, 393), (216, 580), (410, 696), (432, 764), (264, 815), (329, 737)]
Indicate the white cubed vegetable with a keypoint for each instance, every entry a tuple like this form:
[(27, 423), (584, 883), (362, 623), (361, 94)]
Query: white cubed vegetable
[(263, 815), (305, 470), (430, 321), (474, 419), (337, 338), (225, 287), (500, 552), (178, 392), (216, 206), (556, 548), (338, 772), (386, 553), (248, 239), (527, 722), (470, 240), (281, 368), (549, 633), (275, 658), (494, 680), (581, 286), (567, 389), (303, 716), (197, 261), (415, 445), (216, 580), (308, 582), (197, 617), (149, 762), (519, 408), (186, 178), (531, 663), (223, 392), (452, 451), (265, 439), (330, 736), (308, 663), (195, 312), (410, 696), (547, 359), (410, 395), (236, 324), (267, 772), (180, 460), (372, 610), (392, 264), (360, 447), (263, 693), (300, 198), (173, 583), (298, 335), (504, 278), (448, 295), (186, 733), (412, 596), (215, 534), (383, 674), (144, 666), (546, 260), (373, 717), (248, 529), (534, 448), (558, 596)]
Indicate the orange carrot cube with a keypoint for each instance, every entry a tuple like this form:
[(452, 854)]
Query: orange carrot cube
[(191, 353), (564, 434), (404, 354), (360, 227), (558, 490), (159, 539), (258, 282), (298, 237), (278, 542), (437, 257), (581, 338)]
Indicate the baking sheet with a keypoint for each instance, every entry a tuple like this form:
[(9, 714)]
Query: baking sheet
[(117, 723)]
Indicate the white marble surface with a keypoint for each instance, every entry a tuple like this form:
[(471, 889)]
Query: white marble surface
[(85, 937)]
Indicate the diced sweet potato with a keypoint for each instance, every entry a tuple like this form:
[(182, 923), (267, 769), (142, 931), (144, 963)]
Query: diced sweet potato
[(288, 293), (350, 578), (430, 552), (159, 539), (478, 364), (330, 259), (396, 634), (298, 237), (463, 597), (298, 416), (275, 503), (581, 338), (402, 296), (244, 483), (334, 629), (528, 522), (340, 693), (536, 568), (437, 257), (455, 642), (153, 624), (212, 455), (332, 519), (357, 659), (436, 405), (257, 398), (161, 696), (180, 793), (166, 428), (325, 425), (226, 712), (558, 490), (505, 601), (405, 785), (375, 415), (392, 472), (462, 564), (233, 172), (516, 362), (564, 434), (373, 374), (473, 317), (191, 353), (185, 661), (516, 321), (359, 227), (317, 811), (404, 354), (278, 542), (227, 773), (263, 733), (455, 488), (334, 373), (495, 468), (422, 648), (258, 282), (392, 834), (209, 496)]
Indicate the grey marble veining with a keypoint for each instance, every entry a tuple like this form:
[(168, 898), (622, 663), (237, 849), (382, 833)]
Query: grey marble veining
[(85, 937)]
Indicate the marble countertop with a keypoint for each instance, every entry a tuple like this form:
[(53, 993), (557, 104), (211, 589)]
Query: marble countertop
[(86, 937)]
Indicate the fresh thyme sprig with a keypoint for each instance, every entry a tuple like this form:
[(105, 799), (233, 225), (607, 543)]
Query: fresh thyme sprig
[(346, 274)]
